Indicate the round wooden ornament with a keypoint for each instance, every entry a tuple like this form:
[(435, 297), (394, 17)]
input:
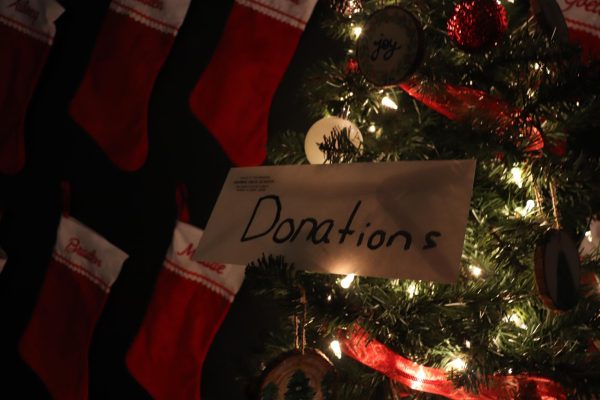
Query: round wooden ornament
[(390, 46), (300, 376), (557, 270)]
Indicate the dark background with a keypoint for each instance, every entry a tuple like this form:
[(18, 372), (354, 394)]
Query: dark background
[(135, 211)]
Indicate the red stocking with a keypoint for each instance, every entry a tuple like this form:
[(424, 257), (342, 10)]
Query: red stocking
[(112, 101), (233, 96), (56, 342), (189, 303), (26, 34)]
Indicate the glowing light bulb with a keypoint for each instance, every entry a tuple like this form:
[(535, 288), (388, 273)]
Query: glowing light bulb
[(347, 281), (336, 348), (372, 128), (588, 236), (517, 176), (458, 364), (524, 211), (418, 383), (536, 66), (468, 344), (475, 271), (529, 206), (329, 297), (515, 319), (357, 30), (412, 289), (389, 103)]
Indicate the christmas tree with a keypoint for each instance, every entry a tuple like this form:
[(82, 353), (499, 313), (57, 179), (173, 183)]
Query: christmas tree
[(492, 81)]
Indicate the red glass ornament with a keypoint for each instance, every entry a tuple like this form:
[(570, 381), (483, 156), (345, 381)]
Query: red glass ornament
[(476, 24), (347, 7), (351, 66)]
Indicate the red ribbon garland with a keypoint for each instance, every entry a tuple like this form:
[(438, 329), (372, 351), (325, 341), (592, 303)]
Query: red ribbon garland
[(458, 103), (376, 355)]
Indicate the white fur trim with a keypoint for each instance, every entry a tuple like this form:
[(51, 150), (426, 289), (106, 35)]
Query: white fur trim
[(34, 18), (293, 12), (163, 15), (224, 279), (85, 252)]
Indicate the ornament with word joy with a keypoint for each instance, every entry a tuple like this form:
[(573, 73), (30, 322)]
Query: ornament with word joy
[(390, 46)]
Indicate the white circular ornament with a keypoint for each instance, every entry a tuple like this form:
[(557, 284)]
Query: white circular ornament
[(324, 128), (390, 46)]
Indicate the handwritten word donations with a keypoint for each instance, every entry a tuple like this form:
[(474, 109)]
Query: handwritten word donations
[(288, 230)]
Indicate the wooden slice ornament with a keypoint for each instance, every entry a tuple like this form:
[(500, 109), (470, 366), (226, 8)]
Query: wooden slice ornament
[(299, 376), (390, 46), (558, 270)]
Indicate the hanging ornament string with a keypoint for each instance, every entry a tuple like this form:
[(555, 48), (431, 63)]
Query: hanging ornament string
[(538, 196), (300, 324), (554, 204), (374, 354), (296, 336)]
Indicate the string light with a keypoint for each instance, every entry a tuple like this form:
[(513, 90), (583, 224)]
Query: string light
[(588, 236), (467, 344), (475, 271), (389, 103), (372, 128), (524, 211), (515, 319), (418, 383), (357, 30), (347, 281), (517, 176), (529, 206), (458, 364), (336, 348), (412, 289), (329, 297)]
